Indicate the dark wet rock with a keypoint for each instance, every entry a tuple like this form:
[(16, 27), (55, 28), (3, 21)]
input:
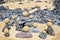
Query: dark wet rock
[(6, 27), (20, 24), (2, 8), (12, 21), (6, 34), (57, 3), (50, 31), (2, 1), (42, 35)]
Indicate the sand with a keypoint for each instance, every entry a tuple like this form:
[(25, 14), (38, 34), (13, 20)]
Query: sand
[(42, 5), (35, 35)]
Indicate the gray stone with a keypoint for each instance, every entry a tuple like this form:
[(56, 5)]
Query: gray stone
[(50, 31), (29, 24), (24, 35), (35, 30), (12, 21), (42, 35), (18, 27)]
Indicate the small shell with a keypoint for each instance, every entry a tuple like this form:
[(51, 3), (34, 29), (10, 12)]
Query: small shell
[(31, 16), (26, 29), (13, 16), (25, 14), (49, 20), (49, 24), (6, 20), (35, 25)]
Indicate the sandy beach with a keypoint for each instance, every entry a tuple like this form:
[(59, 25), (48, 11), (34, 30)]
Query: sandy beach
[(26, 5), (35, 35)]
